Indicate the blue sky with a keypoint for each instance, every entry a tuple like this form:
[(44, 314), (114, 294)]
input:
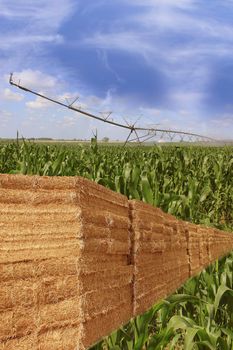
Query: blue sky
[(166, 62)]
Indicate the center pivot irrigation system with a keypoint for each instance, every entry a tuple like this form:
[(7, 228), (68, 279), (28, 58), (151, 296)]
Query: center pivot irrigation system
[(136, 133)]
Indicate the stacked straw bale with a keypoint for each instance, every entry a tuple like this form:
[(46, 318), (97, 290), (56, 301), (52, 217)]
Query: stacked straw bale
[(78, 260)]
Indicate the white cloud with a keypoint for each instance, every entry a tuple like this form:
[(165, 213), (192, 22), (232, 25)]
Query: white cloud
[(189, 22), (44, 14), (35, 79), (73, 99), (182, 4), (12, 96), (5, 118), (11, 41), (38, 103), (187, 99), (224, 121), (67, 121), (125, 40)]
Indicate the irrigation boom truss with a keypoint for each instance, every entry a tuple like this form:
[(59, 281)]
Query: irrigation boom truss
[(142, 134)]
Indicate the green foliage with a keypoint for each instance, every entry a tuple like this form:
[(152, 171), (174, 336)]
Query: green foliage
[(192, 183)]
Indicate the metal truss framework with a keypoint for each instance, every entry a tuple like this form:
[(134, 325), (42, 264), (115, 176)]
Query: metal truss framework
[(136, 133)]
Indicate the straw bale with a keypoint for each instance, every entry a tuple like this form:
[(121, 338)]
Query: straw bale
[(18, 322), (99, 197), (106, 322), (204, 246), (64, 338), (6, 325), (98, 301), (99, 279), (103, 232), (145, 300), (56, 289), (18, 182), (23, 293), (24, 270), (105, 246), (6, 272), (6, 298), (103, 263), (24, 321), (149, 282), (105, 220), (23, 343), (160, 254), (58, 314), (64, 254), (193, 248)]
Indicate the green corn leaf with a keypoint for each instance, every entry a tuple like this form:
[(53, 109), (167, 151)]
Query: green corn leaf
[(221, 291), (206, 344), (181, 322), (146, 189), (189, 336)]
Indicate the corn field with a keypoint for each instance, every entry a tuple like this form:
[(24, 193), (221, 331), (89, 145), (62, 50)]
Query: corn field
[(193, 183)]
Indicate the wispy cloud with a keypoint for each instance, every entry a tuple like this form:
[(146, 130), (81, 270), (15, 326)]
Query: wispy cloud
[(9, 41), (181, 39), (30, 26), (181, 4), (195, 36), (47, 14)]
